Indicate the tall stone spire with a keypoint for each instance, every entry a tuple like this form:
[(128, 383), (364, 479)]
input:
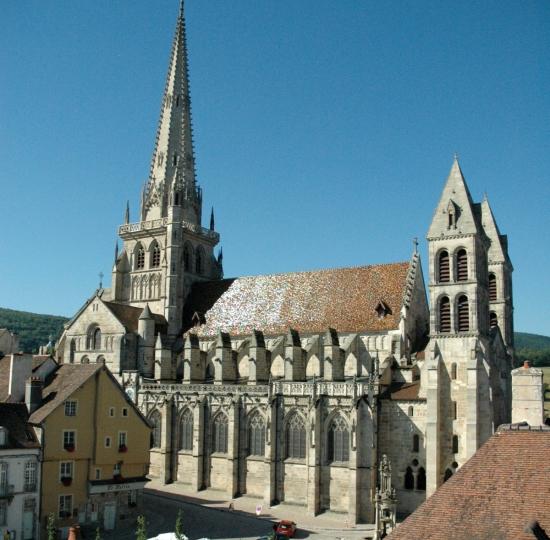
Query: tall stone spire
[(172, 175)]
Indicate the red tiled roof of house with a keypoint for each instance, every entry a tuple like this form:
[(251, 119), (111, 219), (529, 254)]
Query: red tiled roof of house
[(344, 299), (501, 493)]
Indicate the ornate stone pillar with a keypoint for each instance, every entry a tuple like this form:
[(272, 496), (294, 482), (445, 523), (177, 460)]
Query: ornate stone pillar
[(314, 445)]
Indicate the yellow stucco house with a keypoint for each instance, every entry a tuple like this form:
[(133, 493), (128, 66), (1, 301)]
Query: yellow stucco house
[(95, 445)]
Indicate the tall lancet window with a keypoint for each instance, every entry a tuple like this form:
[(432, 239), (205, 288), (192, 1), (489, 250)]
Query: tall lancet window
[(140, 257), (256, 435), (186, 430), (492, 287), (461, 265), (155, 255), (444, 315), (463, 314), (338, 440), (443, 267)]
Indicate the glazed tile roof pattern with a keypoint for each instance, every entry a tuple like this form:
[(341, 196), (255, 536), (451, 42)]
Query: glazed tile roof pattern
[(60, 385), (14, 416), (496, 495), (344, 299)]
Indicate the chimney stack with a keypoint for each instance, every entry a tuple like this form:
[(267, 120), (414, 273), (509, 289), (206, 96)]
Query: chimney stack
[(527, 395), (33, 393)]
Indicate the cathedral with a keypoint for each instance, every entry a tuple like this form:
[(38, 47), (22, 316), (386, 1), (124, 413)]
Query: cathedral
[(290, 388)]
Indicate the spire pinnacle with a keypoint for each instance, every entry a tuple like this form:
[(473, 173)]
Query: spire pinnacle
[(127, 213), (212, 219), (173, 154), (116, 251)]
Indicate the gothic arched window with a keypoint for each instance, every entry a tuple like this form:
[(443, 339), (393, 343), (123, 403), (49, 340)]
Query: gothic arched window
[(444, 275), (338, 440), (409, 479), (416, 443), (156, 434), (199, 261), (461, 265), (256, 435), (84, 360), (187, 258), (140, 257), (410, 412), (444, 315), (219, 434), (453, 371), (493, 319), (96, 339), (72, 350), (492, 287), (155, 255), (186, 431), (421, 479), (463, 314), (296, 437), (455, 444)]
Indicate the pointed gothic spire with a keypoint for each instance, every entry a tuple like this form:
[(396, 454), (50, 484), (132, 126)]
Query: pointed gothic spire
[(455, 211), (127, 213), (212, 219), (172, 163), (116, 251)]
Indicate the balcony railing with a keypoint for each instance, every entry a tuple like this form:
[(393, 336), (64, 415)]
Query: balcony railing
[(29, 488)]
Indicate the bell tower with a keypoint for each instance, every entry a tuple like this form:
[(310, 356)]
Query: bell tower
[(168, 249)]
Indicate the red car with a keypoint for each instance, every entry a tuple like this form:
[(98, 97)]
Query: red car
[(285, 528)]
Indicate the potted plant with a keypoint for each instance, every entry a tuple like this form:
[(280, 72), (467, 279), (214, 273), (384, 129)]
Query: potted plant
[(66, 480), (123, 448)]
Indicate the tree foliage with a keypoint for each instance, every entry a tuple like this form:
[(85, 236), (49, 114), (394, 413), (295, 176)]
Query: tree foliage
[(33, 329), (50, 528), (141, 531), (179, 527)]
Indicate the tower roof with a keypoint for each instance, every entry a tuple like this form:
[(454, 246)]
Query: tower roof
[(498, 251), (454, 198), (172, 163)]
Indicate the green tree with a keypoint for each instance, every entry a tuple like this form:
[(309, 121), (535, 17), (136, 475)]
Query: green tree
[(179, 526), (50, 528), (141, 531), (97, 534)]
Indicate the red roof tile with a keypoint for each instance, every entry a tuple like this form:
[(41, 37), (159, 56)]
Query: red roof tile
[(344, 299), (496, 495)]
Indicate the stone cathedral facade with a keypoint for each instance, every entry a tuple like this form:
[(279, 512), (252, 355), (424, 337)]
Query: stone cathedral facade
[(290, 387)]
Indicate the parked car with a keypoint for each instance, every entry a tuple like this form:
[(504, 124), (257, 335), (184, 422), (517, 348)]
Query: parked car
[(285, 528)]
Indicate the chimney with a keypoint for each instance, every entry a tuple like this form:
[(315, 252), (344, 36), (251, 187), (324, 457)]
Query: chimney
[(33, 393), (527, 395), (20, 371)]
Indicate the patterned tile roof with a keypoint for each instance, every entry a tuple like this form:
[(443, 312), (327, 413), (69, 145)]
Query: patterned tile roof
[(501, 493), (344, 299)]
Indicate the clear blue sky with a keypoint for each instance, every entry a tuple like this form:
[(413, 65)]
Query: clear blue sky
[(324, 132)]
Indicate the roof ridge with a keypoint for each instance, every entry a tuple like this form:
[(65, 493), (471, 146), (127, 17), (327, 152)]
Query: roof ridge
[(318, 271)]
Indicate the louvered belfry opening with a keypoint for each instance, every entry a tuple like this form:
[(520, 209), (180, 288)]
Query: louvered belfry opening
[(493, 319), (461, 265), (444, 267), (444, 315), (492, 287), (463, 314)]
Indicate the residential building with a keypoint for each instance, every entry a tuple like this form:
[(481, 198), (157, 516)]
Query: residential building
[(19, 474), (95, 446)]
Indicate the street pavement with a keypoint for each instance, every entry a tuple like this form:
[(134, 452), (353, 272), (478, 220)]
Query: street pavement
[(211, 517)]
